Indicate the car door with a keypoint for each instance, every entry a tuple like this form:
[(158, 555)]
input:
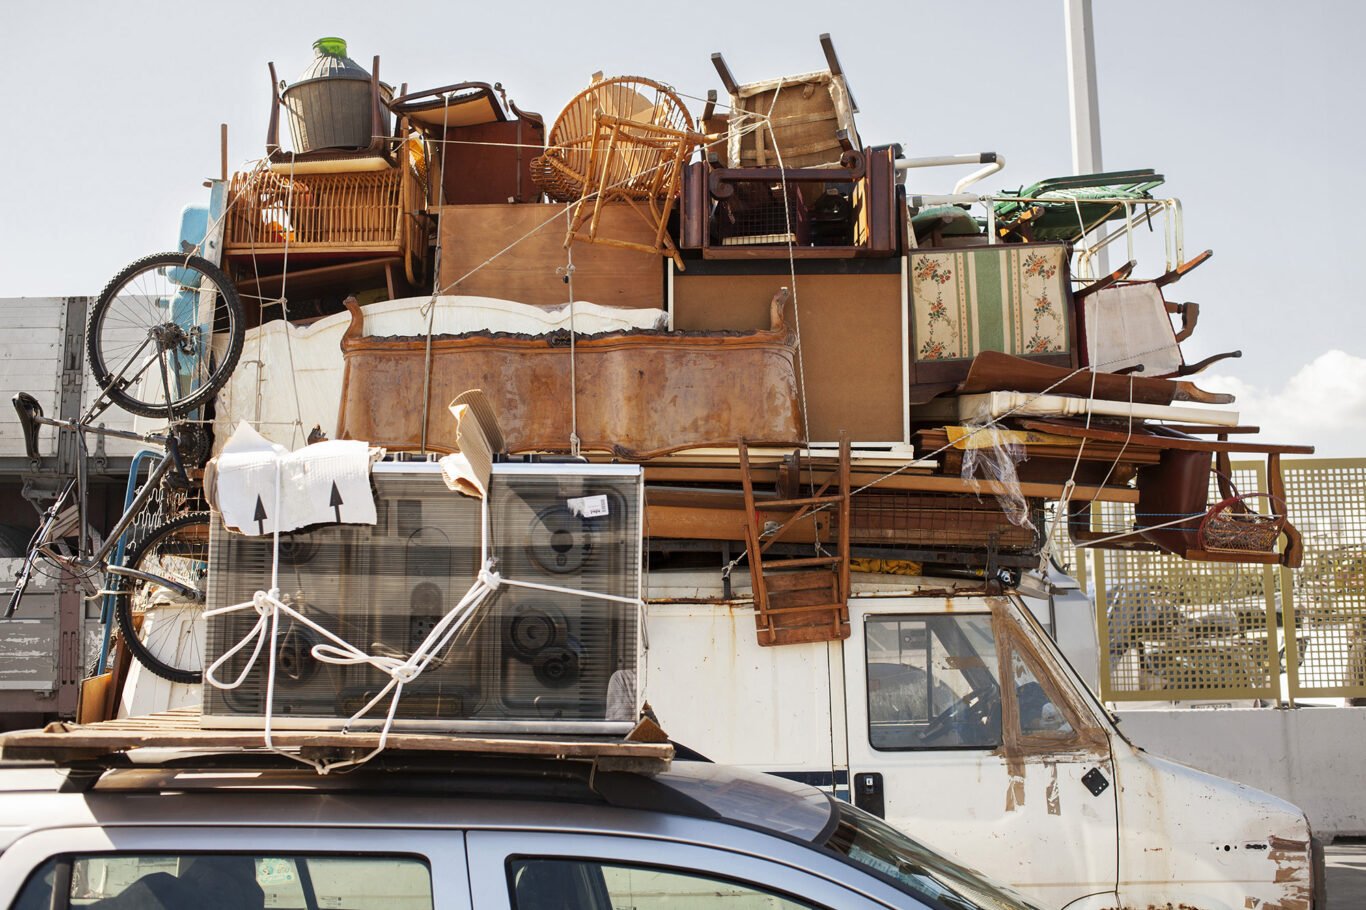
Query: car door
[(235, 868), (519, 870), (1011, 779)]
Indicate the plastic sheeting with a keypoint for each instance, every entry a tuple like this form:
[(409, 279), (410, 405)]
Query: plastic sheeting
[(993, 454)]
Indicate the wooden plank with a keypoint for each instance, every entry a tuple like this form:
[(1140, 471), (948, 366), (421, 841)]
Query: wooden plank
[(513, 251), (1195, 429), (69, 741), (935, 484), (1155, 440), (312, 279), (907, 480)]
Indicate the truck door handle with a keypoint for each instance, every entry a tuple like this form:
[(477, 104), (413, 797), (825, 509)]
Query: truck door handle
[(868, 793)]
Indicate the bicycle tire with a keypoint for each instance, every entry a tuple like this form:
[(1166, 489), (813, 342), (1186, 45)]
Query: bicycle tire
[(170, 647), (128, 316)]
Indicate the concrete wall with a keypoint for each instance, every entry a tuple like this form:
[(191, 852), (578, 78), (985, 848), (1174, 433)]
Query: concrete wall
[(1312, 757)]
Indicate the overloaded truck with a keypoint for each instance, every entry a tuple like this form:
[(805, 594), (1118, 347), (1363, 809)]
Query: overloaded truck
[(955, 716)]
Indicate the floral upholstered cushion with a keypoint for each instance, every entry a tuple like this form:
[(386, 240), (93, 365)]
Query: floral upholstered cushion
[(1011, 298)]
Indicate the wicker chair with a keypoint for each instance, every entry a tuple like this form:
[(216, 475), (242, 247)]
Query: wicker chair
[(563, 170), (621, 140)]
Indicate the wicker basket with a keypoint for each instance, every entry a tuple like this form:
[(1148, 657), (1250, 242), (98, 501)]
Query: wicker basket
[(1231, 527)]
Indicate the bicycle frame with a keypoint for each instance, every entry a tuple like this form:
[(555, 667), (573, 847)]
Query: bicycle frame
[(31, 417)]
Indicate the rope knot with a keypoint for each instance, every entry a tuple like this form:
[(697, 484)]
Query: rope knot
[(405, 673)]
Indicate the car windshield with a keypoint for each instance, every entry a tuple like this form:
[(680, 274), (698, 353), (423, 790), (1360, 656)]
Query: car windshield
[(876, 845)]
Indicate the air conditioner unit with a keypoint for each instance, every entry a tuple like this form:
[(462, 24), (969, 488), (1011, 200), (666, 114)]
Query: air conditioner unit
[(529, 660)]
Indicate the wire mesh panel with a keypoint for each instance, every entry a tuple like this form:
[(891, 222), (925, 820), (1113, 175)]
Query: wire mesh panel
[(1173, 629), (898, 518), (1326, 596)]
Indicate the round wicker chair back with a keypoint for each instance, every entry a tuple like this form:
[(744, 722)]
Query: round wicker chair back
[(642, 113)]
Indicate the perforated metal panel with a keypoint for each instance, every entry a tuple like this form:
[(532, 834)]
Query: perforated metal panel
[(1326, 597), (1173, 629)]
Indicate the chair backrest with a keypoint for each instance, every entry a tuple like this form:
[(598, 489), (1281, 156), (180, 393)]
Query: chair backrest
[(640, 110), (1127, 326)]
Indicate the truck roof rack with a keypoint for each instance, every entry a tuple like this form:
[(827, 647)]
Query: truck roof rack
[(174, 739)]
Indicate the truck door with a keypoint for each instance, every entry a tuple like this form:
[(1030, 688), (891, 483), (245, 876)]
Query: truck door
[(964, 732)]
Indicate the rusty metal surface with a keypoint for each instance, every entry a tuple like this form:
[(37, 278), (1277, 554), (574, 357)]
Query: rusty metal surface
[(640, 393)]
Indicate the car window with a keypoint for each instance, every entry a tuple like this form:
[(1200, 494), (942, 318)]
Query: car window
[(229, 882), (939, 882), (933, 682), (569, 884), (1039, 714)]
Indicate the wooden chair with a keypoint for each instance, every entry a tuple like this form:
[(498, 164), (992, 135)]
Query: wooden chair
[(563, 170), (808, 119), (804, 599), (484, 144), (621, 140), (1125, 326)]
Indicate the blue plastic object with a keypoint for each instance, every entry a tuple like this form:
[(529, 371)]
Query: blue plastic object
[(107, 604), (194, 226)]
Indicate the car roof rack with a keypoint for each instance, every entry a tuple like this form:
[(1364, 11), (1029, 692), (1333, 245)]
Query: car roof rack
[(174, 740)]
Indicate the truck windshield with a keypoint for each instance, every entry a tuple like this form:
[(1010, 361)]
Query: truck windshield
[(876, 845)]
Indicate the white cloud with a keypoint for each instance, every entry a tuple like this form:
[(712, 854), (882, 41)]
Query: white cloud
[(1323, 405)]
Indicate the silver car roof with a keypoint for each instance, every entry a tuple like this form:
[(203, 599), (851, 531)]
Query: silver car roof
[(691, 789), (718, 807)]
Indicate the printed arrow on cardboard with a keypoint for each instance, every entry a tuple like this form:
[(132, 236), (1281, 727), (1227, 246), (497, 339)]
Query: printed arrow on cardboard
[(335, 501), (260, 515)]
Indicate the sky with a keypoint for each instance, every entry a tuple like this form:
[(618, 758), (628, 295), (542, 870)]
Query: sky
[(1250, 109)]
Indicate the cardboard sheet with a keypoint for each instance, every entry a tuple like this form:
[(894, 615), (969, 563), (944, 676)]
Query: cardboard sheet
[(478, 438), (325, 483)]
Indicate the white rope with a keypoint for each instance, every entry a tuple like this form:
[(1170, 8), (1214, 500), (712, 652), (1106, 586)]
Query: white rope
[(567, 273), (792, 277), (270, 606)]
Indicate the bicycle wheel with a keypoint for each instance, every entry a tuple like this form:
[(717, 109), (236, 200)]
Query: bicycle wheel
[(162, 624), (165, 334)]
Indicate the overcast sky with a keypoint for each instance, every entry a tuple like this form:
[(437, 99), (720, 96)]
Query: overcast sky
[(1251, 109)]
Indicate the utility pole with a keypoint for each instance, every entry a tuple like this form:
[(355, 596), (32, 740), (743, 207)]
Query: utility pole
[(1083, 102)]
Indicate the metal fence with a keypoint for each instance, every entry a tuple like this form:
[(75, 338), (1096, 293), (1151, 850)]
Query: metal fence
[(1325, 599), (1175, 630)]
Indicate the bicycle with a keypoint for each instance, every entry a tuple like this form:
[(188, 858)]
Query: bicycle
[(162, 339)]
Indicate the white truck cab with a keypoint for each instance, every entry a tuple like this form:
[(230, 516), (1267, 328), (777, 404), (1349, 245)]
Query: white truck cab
[(953, 715)]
